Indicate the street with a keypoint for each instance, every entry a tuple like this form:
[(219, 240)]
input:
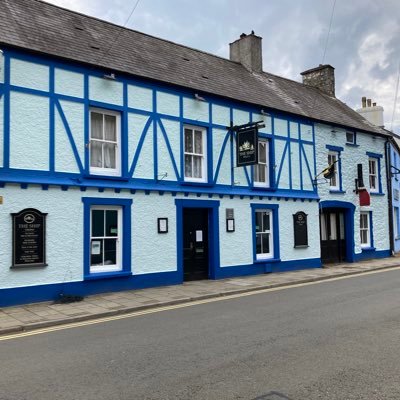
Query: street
[(331, 340)]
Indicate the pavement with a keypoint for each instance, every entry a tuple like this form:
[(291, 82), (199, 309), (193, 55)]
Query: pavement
[(40, 315)]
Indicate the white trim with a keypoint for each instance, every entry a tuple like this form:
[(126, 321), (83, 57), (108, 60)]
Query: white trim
[(265, 256), (366, 229), (107, 171), (118, 265), (259, 165), (334, 154), (354, 137), (374, 189)]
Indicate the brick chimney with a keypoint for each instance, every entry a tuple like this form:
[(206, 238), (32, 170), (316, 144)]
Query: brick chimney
[(371, 112), (247, 51), (322, 78)]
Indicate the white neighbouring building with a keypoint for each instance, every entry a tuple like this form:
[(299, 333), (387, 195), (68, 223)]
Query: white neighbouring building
[(118, 164)]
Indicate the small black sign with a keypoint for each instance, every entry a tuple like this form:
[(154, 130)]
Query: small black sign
[(247, 146), (29, 238), (300, 229)]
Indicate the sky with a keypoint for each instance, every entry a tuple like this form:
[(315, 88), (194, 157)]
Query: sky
[(363, 44)]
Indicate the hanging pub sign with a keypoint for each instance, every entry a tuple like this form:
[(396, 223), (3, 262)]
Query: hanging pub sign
[(300, 229), (247, 146), (29, 238)]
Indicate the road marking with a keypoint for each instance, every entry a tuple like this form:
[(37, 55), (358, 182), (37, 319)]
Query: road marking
[(182, 305)]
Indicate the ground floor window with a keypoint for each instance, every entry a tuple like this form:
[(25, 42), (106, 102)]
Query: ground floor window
[(107, 241), (365, 229), (265, 232), (396, 224)]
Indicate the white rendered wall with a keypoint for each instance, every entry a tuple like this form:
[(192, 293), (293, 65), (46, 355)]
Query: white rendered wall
[(351, 156)]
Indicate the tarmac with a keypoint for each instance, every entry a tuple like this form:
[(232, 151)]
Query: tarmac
[(46, 314)]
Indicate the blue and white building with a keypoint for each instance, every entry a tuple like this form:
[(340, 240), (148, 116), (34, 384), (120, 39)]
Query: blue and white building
[(128, 150)]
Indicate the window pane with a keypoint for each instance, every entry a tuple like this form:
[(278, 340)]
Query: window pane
[(97, 223), (96, 124), (110, 150), (96, 252), (262, 155), (198, 142), (265, 243), (110, 128), (363, 221), (188, 166), (261, 173), (266, 221), (258, 244), (110, 251), (188, 141), (372, 182), (197, 166), (111, 223), (258, 221), (363, 235), (96, 154)]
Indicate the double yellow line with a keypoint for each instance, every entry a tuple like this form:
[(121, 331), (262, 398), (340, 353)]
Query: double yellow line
[(183, 305)]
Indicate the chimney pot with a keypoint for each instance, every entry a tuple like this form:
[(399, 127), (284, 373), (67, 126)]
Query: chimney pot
[(369, 102), (247, 51), (322, 78), (373, 104), (364, 102)]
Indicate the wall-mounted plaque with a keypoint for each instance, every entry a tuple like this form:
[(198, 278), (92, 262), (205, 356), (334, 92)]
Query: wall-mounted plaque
[(300, 229), (29, 238), (247, 146), (162, 225)]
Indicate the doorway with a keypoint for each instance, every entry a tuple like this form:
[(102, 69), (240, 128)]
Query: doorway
[(333, 235), (195, 244)]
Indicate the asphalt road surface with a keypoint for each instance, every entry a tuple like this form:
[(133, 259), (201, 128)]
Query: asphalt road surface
[(331, 340)]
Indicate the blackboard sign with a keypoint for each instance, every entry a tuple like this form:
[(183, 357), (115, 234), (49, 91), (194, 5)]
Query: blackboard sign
[(29, 238), (300, 229), (247, 147)]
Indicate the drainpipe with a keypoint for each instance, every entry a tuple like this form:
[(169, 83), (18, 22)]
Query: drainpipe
[(388, 162)]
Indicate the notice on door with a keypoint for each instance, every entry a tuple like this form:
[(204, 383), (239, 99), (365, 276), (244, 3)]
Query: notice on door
[(29, 238), (199, 236)]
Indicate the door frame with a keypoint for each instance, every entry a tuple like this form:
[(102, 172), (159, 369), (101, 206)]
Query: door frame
[(348, 211), (213, 233)]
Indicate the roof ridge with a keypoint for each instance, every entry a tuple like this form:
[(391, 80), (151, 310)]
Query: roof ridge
[(136, 31)]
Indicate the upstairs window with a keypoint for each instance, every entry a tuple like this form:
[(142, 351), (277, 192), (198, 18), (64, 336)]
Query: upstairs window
[(333, 158), (350, 138), (373, 174), (261, 170), (195, 157), (104, 142)]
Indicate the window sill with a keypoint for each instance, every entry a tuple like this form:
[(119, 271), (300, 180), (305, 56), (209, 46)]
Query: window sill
[(376, 194), (195, 183), (368, 249), (267, 260), (107, 275), (337, 191), (107, 177), (352, 144), (304, 246), (263, 188)]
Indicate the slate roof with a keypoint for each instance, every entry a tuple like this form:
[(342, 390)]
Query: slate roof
[(44, 28)]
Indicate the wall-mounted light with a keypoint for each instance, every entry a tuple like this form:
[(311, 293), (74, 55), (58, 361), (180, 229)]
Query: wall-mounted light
[(263, 112), (110, 77), (198, 97)]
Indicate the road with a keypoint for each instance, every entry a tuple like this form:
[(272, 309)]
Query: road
[(331, 340)]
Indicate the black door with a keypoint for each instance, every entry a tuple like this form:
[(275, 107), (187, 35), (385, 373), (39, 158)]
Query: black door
[(333, 242), (195, 243)]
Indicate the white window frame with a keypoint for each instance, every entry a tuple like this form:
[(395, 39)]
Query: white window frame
[(396, 222), (265, 166), (336, 176), (265, 256), (373, 176), (106, 171), (366, 216), (203, 155), (354, 137), (118, 265)]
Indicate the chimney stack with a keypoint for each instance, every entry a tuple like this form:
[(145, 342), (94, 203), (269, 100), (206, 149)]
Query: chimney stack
[(247, 51), (371, 112), (322, 78)]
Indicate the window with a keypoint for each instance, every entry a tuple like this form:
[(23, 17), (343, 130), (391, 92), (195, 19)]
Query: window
[(333, 158), (261, 170), (350, 138), (365, 233), (373, 174), (264, 247), (104, 142), (396, 223), (195, 162), (105, 240)]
